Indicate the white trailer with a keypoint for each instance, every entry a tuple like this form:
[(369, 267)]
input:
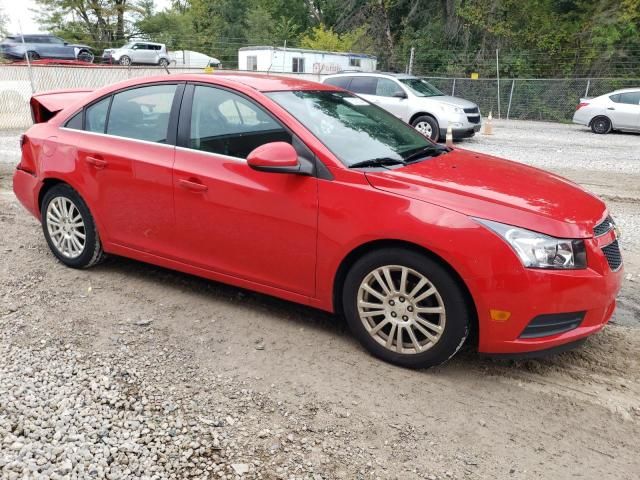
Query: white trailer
[(300, 60)]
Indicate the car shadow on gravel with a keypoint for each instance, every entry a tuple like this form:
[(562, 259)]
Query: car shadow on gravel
[(228, 295), (598, 354)]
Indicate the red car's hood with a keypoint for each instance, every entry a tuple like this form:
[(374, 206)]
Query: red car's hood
[(492, 188)]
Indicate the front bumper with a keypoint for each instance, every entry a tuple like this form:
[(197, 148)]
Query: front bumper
[(530, 293), (464, 132)]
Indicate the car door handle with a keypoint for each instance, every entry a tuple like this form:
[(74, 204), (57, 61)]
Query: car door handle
[(96, 162), (610, 108), (193, 186)]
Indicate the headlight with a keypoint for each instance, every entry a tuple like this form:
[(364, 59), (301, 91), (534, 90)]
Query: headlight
[(446, 107), (537, 250)]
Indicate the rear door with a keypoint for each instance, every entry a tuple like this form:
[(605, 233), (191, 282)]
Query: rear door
[(625, 110), (234, 220), (126, 152)]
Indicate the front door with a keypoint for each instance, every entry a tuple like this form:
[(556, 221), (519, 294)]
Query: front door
[(257, 226), (127, 160), (392, 97)]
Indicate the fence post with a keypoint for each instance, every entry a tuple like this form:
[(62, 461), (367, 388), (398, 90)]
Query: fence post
[(513, 84), (26, 56), (586, 92), (413, 50), (498, 78), (453, 88)]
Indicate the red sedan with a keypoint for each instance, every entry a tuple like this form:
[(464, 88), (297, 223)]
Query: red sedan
[(309, 193)]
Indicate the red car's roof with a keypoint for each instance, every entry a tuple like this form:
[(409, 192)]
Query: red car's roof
[(257, 81), (271, 83)]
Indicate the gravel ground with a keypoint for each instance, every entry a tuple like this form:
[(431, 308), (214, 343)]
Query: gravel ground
[(133, 371)]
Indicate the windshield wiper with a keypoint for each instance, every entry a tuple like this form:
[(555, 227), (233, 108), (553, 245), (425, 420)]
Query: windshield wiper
[(377, 162), (430, 151)]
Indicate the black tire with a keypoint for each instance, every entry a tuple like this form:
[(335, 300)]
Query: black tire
[(33, 55), (125, 61), (433, 127), (85, 56), (601, 125), (457, 312), (92, 253), (163, 62)]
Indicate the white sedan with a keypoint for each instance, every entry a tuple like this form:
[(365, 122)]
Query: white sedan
[(619, 110)]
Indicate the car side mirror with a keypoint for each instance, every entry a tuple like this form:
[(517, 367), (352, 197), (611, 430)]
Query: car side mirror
[(400, 94), (275, 157)]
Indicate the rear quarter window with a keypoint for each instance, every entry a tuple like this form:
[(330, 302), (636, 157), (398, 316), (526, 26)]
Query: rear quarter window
[(341, 82)]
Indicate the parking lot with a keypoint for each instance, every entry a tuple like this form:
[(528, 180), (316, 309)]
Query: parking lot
[(132, 371)]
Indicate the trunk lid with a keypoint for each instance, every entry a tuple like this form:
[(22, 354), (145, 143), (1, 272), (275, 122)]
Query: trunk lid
[(45, 106)]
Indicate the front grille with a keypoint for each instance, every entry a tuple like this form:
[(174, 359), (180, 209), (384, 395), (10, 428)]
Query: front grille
[(603, 227), (552, 324), (614, 257), (472, 110), (474, 119)]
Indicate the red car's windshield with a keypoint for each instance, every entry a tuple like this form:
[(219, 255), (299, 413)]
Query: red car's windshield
[(353, 129)]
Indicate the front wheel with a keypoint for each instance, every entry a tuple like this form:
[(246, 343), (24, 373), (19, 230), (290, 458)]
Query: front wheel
[(406, 308), (69, 228), (164, 63), (125, 61), (601, 125), (428, 126), (85, 56)]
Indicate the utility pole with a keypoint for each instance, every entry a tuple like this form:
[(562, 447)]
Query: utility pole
[(498, 78), (413, 51)]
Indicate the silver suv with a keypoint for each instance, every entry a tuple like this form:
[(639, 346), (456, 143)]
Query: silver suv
[(415, 101), (138, 52)]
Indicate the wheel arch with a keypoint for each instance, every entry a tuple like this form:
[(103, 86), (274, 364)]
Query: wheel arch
[(423, 114), (358, 252), (604, 115), (48, 184)]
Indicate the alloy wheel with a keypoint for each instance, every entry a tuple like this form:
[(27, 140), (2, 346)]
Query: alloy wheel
[(66, 227), (424, 128), (401, 309)]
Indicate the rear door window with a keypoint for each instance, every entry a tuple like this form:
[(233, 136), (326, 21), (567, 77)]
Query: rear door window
[(631, 98), (96, 116), (364, 85), (142, 113), (229, 124)]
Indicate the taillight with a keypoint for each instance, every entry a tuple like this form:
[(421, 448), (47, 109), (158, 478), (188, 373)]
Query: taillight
[(582, 104), (26, 160)]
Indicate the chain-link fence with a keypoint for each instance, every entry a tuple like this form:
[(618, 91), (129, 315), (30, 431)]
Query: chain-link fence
[(526, 99), (547, 99)]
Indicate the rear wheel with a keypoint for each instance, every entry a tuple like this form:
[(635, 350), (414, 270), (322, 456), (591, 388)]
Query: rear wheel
[(601, 125), (405, 308), (69, 228), (163, 62), (33, 55), (428, 126), (125, 61)]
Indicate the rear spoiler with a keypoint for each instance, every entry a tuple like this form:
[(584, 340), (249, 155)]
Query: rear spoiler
[(45, 106)]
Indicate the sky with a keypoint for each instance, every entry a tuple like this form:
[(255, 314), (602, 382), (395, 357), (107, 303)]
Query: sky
[(18, 12)]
